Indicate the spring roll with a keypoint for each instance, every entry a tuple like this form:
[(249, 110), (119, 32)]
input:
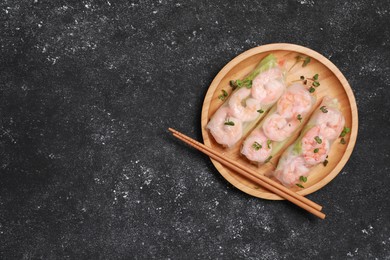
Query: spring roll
[(248, 103), (313, 145), (281, 123)]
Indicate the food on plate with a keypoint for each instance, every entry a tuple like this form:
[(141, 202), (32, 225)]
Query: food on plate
[(297, 100), (279, 125), (313, 145), (257, 147), (251, 98), (225, 128)]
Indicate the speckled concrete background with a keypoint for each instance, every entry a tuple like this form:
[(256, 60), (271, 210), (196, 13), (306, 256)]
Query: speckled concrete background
[(88, 170)]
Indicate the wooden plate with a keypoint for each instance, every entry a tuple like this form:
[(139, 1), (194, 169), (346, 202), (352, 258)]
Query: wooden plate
[(333, 83)]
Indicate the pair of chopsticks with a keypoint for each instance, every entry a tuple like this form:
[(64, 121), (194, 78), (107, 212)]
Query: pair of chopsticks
[(250, 174)]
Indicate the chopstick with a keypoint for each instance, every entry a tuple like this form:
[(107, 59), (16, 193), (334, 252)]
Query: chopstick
[(250, 174)]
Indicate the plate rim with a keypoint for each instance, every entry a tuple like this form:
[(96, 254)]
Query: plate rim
[(320, 58)]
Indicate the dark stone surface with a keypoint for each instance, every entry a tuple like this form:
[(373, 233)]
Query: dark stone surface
[(88, 170)]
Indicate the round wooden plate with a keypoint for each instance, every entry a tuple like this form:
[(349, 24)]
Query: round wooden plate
[(333, 83)]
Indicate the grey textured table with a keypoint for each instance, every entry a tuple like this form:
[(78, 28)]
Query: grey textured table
[(88, 170)]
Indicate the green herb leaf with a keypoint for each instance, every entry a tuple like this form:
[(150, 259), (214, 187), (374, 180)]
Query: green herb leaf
[(247, 83), (256, 146), (325, 163), (261, 111), (315, 77), (323, 109), (231, 123), (316, 150), (268, 159), (303, 179), (318, 140), (300, 185), (311, 89), (299, 117), (316, 84), (239, 83), (345, 131), (307, 61), (342, 141), (268, 143), (233, 84), (224, 95)]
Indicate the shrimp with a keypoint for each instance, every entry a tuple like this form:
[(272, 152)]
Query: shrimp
[(268, 86), (225, 134), (296, 100), (256, 148), (331, 123), (315, 147), (293, 167), (243, 107), (278, 128)]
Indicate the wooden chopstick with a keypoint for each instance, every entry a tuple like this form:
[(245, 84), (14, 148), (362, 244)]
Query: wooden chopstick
[(265, 182)]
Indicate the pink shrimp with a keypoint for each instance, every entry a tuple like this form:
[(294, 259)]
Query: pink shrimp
[(331, 123), (268, 86), (243, 107), (255, 147), (278, 128), (296, 100), (223, 133), (293, 167), (315, 147)]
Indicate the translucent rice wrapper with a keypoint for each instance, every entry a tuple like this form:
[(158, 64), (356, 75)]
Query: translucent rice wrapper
[(248, 103), (281, 123), (313, 145)]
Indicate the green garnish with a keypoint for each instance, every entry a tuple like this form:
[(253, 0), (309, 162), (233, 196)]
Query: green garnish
[(268, 159), (345, 131), (303, 179), (316, 83), (241, 83), (342, 141), (299, 117), (314, 80), (318, 140), (306, 61), (325, 163), (233, 84), (268, 143), (316, 150), (247, 83), (256, 146), (265, 64), (260, 111), (224, 95), (323, 109), (229, 123), (300, 185)]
